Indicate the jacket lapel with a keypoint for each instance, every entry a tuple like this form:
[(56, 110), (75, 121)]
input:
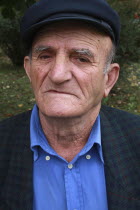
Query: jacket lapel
[(17, 191), (121, 178)]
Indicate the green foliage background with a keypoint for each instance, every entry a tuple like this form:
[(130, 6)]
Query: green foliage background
[(12, 10), (129, 12), (10, 41)]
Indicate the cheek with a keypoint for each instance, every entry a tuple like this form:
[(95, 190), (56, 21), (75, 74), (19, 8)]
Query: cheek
[(83, 80), (91, 82), (38, 75), (97, 84)]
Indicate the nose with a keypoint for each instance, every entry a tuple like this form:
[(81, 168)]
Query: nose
[(60, 70)]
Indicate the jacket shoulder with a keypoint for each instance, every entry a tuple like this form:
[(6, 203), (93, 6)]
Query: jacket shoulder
[(127, 122), (15, 119), (13, 126), (118, 114), (115, 122)]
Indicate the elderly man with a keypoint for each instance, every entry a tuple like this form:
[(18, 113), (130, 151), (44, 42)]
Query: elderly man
[(69, 153)]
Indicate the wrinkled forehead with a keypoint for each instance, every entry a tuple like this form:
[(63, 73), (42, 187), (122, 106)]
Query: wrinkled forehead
[(73, 27)]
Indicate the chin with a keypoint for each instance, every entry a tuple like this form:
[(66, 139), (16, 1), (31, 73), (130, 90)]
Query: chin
[(59, 113), (57, 108), (62, 109)]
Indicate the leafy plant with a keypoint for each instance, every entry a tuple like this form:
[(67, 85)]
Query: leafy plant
[(10, 41), (129, 11)]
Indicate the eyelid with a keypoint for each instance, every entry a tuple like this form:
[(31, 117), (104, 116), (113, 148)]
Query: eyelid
[(44, 53), (83, 57), (78, 58)]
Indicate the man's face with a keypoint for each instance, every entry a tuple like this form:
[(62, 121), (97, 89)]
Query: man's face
[(66, 70)]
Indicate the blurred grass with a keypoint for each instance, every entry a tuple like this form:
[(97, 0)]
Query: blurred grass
[(16, 95), (15, 92), (126, 93)]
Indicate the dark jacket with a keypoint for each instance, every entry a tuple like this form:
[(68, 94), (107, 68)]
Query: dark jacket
[(120, 133)]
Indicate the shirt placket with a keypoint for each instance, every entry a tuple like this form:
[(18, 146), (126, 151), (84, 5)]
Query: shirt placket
[(73, 187)]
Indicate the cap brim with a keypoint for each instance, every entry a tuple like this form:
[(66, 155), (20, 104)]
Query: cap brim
[(100, 24)]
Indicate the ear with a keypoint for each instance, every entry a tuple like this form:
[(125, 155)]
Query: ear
[(111, 78), (27, 66)]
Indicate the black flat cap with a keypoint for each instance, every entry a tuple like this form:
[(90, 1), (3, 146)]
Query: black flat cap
[(97, 12)]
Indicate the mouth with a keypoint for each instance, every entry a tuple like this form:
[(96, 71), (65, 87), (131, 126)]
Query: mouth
[(59, 92)]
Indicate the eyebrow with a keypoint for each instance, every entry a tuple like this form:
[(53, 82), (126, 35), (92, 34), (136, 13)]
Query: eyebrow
[(41, 48), (83, 51)]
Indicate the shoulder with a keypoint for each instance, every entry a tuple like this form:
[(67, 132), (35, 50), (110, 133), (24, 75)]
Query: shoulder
[(15, 119), (14, 126), (122, 128), (121, 125), (119, 115), (125, 123)]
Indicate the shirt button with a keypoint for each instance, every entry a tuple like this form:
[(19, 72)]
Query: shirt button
[(70, 166), (88, 157), (48, 158)]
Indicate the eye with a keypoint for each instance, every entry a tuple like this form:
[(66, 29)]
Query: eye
[(44, 57), (83, 60)]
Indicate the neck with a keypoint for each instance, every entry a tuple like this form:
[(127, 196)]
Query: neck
[(67, 136)]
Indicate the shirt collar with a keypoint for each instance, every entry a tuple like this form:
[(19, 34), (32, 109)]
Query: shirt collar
[(94, 139), (38, 139)]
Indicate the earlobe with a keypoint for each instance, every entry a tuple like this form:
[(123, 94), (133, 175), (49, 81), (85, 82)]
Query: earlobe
[(112, 77), (27, 66)]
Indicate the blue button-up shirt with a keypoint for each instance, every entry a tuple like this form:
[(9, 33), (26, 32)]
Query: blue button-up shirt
[(62, 185)]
